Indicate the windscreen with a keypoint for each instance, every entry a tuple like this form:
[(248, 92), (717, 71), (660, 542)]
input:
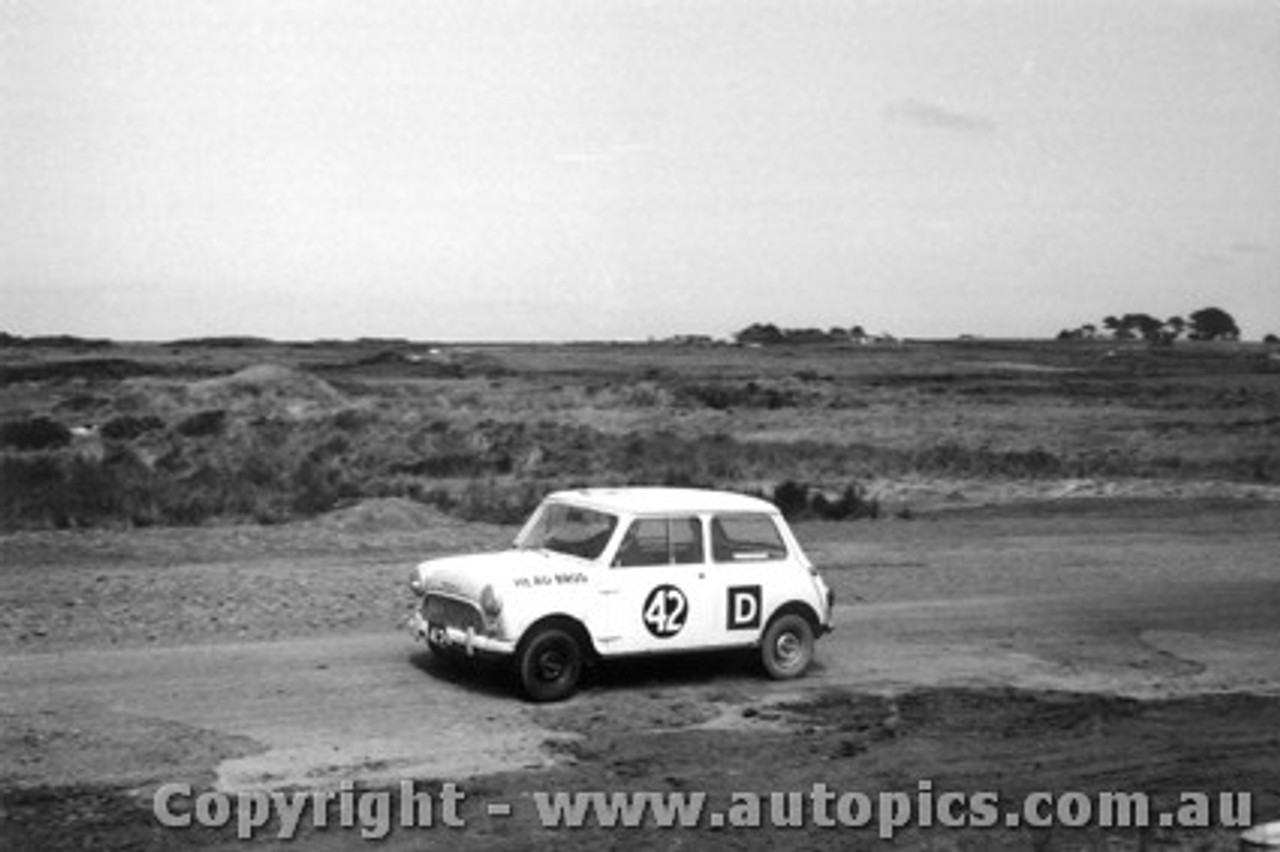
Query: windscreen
[(569, 529)]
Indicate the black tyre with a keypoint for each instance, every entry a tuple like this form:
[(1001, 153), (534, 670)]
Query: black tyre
[(549, 664), (786, 649)]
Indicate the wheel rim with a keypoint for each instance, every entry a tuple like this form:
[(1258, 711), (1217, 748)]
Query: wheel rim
[(551, 664), (789, 650)]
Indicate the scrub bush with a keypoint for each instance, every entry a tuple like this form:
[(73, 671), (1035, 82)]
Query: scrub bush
[(36, 433)]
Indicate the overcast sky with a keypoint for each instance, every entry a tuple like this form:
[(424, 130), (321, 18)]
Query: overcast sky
[(601, 169)]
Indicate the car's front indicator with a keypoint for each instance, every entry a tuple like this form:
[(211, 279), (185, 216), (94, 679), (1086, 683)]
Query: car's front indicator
[(491, 607)]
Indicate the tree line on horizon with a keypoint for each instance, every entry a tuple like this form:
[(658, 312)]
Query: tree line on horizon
[(1204, 324), (766, 334)]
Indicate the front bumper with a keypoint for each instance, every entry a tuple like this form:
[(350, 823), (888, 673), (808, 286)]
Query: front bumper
[(467, 641)]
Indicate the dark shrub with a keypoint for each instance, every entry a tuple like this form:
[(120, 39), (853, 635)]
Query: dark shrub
[(32, 492), (81, 402), (203, 424), (792, 499), (37, 433), (66, 490), (351, 419), (721, 396), (1036, 462), (796, 501), (127, 426), (317, 485)]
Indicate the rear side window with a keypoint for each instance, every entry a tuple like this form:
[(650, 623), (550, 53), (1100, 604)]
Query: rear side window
[(661, 541), (745, 538)]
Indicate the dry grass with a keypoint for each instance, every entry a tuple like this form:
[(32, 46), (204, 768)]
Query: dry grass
[(273, 432)]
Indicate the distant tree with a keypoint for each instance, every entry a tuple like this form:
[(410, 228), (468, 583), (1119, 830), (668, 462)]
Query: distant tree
[(1088, 331), (759, 333), (805, 335), (1142, 325), (1175, 326), (1271, 339), (765, 334), (1213, 324), (1117, 328)]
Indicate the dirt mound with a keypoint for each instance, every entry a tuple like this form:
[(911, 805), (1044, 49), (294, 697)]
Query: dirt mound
[(268, 385), (386, 515)]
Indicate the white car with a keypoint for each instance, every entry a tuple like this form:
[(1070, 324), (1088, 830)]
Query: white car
[(603, 573)]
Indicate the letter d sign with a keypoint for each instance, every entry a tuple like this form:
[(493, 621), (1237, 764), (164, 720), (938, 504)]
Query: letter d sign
[(744, 607)]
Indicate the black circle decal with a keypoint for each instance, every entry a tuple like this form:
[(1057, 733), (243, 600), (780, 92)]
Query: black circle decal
[(665, 611)]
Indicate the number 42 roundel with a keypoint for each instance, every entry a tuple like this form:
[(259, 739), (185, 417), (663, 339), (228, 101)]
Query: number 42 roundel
[(665, 611)]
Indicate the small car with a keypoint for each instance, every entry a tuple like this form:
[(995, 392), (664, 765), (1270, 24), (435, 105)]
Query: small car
[(601, 573)]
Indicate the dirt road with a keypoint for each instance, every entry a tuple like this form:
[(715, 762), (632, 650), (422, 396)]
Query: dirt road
[(1175, 607), (373, 706)]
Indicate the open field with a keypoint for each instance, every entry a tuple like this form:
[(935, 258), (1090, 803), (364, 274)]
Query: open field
[(1057, 568), (187, 433)]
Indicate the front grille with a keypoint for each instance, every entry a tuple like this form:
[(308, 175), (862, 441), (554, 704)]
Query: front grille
[(450, 612)]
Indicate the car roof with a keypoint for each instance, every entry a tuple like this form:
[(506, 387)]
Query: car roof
[(643, 500)]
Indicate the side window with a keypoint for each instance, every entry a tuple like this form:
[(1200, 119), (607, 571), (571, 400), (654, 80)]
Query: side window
[(686, 540), (661, 541), (745, 538)]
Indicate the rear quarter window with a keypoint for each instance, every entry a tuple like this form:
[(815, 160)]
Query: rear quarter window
[(746, 538)]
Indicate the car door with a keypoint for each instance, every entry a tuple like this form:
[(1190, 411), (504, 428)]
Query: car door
[(658, 593)]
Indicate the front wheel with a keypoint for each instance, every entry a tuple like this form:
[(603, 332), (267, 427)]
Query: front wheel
[(787, 646), (549, 664)]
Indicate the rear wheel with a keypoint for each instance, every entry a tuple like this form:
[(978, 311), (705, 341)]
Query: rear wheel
[(787, 646), (549, 664)]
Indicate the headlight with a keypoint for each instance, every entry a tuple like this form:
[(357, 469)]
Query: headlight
[(415, 582), (490, 605)]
